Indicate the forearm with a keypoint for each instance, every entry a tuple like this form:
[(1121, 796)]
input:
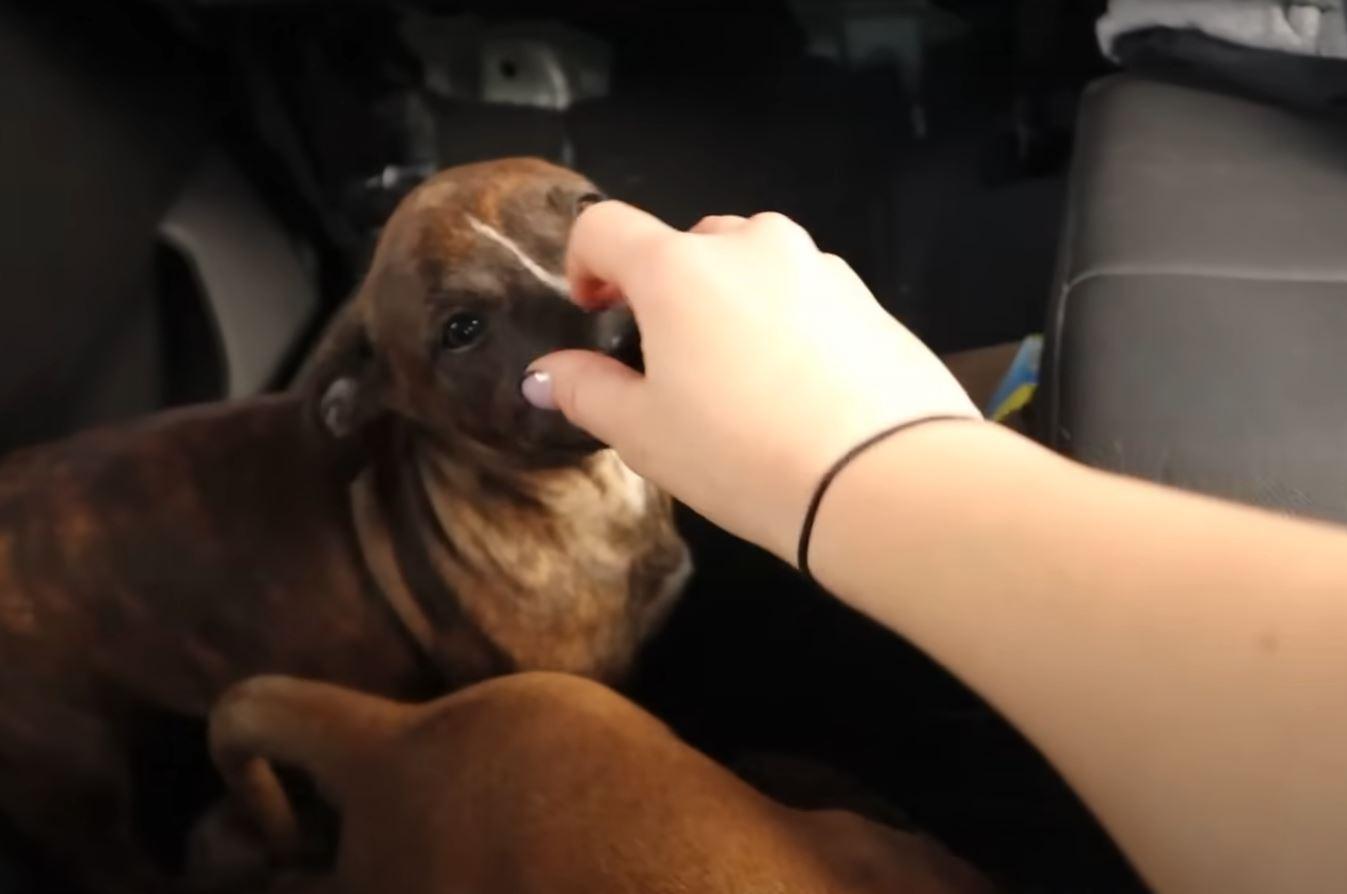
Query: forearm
[(1180, 660)]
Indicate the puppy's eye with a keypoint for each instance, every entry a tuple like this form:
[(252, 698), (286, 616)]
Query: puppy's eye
[(462, 331)]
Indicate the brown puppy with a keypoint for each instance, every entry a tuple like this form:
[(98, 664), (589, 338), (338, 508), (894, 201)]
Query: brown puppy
[(403, 524), (543, 783)]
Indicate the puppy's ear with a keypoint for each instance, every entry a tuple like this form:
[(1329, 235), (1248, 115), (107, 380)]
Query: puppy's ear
[(343, 379)]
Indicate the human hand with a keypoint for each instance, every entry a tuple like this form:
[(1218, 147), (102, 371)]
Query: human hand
[(765, 361)]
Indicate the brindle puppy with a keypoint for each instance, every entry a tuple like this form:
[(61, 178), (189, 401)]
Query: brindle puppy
[(403, 524)]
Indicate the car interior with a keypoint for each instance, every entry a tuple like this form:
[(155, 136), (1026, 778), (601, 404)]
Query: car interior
[(193, 187)]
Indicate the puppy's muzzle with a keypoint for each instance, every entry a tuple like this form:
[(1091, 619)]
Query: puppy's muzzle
[(619, 338)]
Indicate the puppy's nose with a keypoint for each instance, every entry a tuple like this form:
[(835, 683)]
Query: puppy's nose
[(622, 342)]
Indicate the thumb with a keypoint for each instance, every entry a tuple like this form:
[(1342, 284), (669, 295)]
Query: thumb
[(596, 393)]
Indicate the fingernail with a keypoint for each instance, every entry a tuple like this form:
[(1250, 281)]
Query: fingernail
[(537, 389)]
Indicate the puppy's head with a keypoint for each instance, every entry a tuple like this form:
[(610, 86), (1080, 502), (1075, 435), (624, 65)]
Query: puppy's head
[(465, 290)]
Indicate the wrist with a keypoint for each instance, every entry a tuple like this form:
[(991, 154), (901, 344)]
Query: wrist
[(840, 465), (927, 490)]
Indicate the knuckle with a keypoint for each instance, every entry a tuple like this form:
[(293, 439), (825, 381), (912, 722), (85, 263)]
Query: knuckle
[(773, 219), (591, 218), (837, 266), (603, 209), (835, 263), (778, 225), (720, 221)]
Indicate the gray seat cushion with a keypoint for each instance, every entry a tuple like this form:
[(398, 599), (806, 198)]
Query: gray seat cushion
[(1198, 334)]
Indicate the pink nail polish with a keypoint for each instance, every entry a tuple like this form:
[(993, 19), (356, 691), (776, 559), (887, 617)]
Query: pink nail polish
[(537, 390)]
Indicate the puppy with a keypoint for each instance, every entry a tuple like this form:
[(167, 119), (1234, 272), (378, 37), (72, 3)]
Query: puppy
[(403, 523), (542, 783)]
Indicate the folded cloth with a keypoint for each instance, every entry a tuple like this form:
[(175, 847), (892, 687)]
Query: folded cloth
[(1310, 28)]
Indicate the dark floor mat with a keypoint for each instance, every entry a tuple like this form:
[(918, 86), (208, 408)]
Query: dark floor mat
[(756, 661)]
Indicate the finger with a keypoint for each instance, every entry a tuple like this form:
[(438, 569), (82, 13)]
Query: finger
[(608, 245), (714, 224), (594, 392), (837, 266), (777, 226)]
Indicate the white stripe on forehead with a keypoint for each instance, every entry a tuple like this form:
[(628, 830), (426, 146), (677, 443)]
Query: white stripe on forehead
[(554, 281)]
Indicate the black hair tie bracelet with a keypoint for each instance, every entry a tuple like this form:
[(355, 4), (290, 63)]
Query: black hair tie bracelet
[(802, 554)]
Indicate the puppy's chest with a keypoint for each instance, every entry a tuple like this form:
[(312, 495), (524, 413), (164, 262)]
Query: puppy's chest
[(569, 537), (563, 570)]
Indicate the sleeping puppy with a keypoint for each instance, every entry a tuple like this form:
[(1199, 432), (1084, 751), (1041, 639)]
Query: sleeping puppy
[(541, 783), (403, 523)]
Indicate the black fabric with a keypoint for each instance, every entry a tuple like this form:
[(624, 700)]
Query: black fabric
[(1307, 82)]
